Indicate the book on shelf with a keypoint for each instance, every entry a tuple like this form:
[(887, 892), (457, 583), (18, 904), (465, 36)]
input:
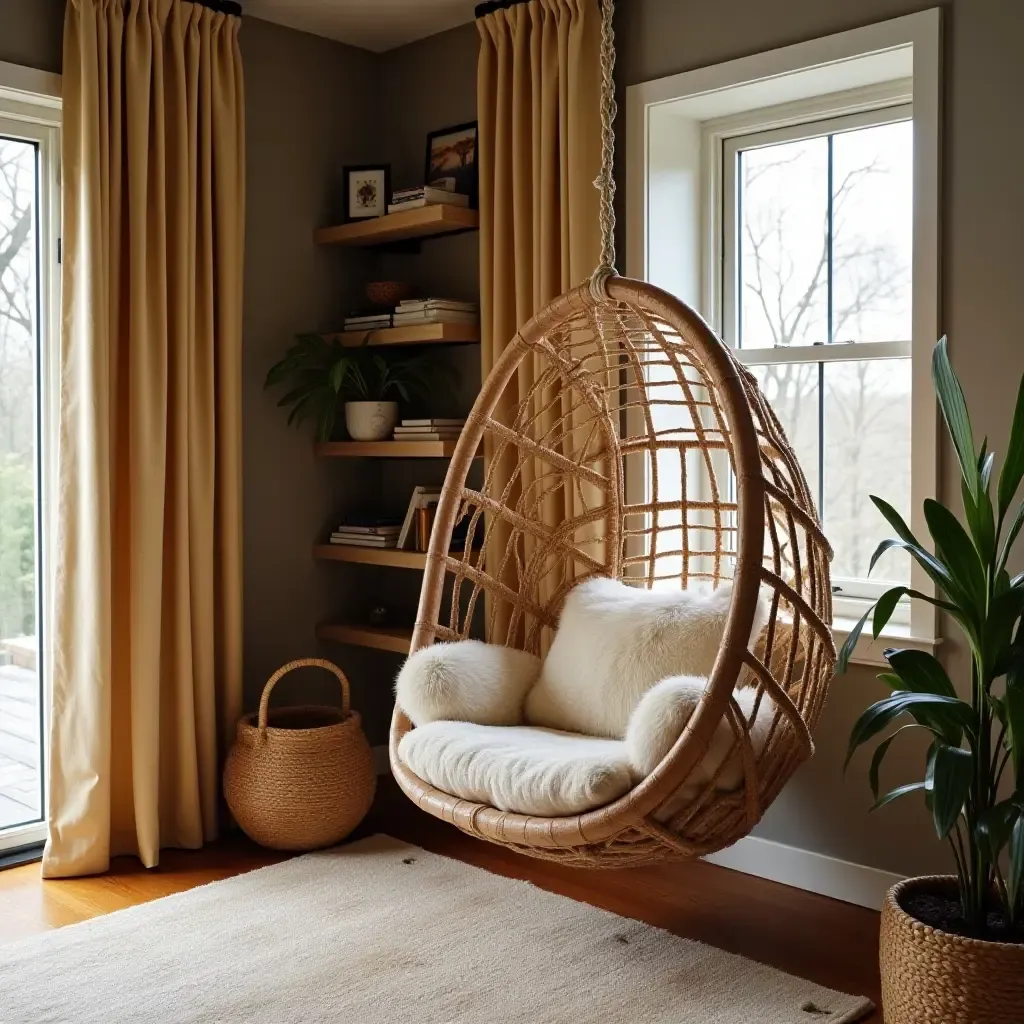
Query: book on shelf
[(385, 528), (415, 199), (363, 323), (433, 421), (417, 305), (361, 540), (422, 497), (439, 316), (437, 435)]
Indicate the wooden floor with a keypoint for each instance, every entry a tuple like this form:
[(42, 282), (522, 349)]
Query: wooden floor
[(813, 937)]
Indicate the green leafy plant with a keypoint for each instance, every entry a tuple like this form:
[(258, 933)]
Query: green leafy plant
[(973, 742), (322, 373)]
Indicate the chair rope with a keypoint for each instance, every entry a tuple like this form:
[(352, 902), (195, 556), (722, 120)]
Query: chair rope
[(605, 181)]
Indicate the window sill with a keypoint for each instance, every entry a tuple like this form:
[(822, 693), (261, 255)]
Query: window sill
[(869, 651)]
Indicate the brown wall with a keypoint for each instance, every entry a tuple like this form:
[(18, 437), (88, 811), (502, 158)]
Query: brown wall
[(30, 33)]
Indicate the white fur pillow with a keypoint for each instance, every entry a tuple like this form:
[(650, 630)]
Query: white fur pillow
[(614, 642), (467, 681), (662, 715), (530, 771)]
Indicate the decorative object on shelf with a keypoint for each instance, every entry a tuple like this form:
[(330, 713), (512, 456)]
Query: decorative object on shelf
[(300, 778), (424, 524), (421, 498), (323, 372), (387, 293), (367, 190), (952, 948), (370, 421), (429, 430), (378, 616), (451, 160), (425, 195), (435, 311)]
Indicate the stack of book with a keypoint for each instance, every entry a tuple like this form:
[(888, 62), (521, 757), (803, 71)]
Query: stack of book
[(429, 430), (424, 195), (367, 321), (434, 311), (380, 533)]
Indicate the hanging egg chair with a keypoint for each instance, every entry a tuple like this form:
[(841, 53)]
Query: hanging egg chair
[(668, 468)]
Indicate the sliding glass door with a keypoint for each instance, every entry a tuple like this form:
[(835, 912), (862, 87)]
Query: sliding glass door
[(27, 311)]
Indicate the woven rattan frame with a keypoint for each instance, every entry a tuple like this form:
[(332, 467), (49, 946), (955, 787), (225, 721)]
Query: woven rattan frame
[(630, 379)]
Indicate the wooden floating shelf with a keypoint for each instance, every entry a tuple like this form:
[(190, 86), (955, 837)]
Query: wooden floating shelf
[(371, 556), (386, 449), (421, 334), (382, 638), (425, 222)]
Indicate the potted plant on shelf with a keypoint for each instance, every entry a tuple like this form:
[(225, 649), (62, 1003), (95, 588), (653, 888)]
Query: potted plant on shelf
[(952, 947), (323, 373)]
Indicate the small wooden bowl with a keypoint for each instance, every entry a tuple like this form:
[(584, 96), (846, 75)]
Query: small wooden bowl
[(387, 293)]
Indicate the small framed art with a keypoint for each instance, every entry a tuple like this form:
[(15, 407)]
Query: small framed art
[(367, 191), (451, 160)]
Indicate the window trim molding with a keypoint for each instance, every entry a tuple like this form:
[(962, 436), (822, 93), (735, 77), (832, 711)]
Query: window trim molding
[(777, 72)]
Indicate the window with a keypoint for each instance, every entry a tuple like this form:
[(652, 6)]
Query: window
[(817, 243), (28, 281), (792, 197)]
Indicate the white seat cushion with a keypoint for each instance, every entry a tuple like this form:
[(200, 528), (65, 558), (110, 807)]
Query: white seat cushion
[(530, 771)]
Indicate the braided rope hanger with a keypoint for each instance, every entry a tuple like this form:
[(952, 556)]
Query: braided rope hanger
[(605, 181)]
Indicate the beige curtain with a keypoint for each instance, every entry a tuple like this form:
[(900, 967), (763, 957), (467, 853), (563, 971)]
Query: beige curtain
[(147, 596), (538, 92)]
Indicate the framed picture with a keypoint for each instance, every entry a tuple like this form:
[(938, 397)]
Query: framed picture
[(367, 191), (451, 160)]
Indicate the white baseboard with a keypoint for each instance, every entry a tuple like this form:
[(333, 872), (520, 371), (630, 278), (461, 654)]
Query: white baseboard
[(803, 869)]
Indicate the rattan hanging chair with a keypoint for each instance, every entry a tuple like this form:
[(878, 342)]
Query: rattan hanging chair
[(644, 452)]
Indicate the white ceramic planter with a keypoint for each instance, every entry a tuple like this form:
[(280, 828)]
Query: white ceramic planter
[(371, 421)]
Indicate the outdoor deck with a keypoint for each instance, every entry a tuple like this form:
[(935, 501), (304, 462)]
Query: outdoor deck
[(19, 746)]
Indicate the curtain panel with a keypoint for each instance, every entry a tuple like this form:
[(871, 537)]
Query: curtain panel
[(146, 684), (539, 111)]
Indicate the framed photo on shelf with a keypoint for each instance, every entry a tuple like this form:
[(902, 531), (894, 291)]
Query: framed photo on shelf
[(451, 160), (367, 191)]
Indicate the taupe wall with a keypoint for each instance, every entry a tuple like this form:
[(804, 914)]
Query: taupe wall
[(982, 224)]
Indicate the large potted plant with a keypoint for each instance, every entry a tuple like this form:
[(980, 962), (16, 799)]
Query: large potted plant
[(952, 947), (323, 374)]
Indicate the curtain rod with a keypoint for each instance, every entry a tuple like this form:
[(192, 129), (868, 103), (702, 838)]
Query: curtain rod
[(482, 10)]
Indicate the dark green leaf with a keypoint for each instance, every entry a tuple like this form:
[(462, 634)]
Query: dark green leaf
[(956, 550), (980, 520), (846, 651), (920, 672), (995, 824), (879, 756), (1013, 702), (950, 711), (954, 411), (1011, 536), (895, 794), (1016, 872), (884, 608), (1013, 465), (895, 520), (952, 774), (931, 565)]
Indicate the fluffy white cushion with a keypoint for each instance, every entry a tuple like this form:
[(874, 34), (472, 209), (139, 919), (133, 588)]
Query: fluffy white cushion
[(614, 642), (531, 771), (661, 717), (467, 681)]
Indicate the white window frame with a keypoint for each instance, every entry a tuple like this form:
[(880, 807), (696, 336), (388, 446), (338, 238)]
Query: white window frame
[(676, 129), (888, 104), (31, 108)]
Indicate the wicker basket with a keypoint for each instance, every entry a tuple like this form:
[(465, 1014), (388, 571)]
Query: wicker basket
[(300, 778), (933, 977)]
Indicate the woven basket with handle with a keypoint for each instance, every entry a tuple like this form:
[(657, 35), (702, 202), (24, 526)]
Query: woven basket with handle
[(300, 778)]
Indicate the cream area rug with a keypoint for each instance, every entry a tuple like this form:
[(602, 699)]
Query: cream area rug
[(383, 932)]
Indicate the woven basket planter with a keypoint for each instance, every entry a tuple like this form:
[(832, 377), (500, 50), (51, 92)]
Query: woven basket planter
[(933, 977), (300, 778)]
